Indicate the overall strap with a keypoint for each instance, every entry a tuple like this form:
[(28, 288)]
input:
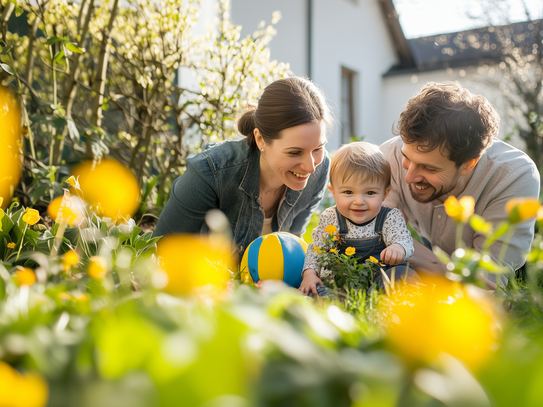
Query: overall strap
[(343, 228), (380, 221)]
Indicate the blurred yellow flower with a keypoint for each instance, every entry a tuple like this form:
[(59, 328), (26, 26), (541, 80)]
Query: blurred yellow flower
[(97, 267), (110, 186), (24, 276), (192, 262), (350, 251), (11, 245), (316, 248), (440, 317), (21, 390), (82, 298), (10, 140), (373, 260), (31, 216), (333, 250), (521, 209), (66, 208), (330, 229), (70, 259), (460, 210), (65, 296)]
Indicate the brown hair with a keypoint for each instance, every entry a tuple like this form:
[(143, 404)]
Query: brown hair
[(285, 103), (449, 117), (362, 160)]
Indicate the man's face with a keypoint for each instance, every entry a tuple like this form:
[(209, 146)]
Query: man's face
[(430, 175)]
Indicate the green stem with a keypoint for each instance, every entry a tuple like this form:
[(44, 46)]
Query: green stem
[(459, 229), (506, 243), (58, 238), (22, 241)]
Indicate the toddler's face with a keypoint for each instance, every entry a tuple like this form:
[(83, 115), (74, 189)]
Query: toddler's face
[(358, 199)]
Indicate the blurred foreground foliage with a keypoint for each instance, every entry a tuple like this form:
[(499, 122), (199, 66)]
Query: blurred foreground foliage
[(100, 314)]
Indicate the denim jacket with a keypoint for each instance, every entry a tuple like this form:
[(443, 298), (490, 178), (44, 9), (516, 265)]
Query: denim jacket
[(226, 176)]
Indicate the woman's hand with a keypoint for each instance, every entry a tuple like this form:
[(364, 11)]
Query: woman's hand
[(310, 282), (393, 254)]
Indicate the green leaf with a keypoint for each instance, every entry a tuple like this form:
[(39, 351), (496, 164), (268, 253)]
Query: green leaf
[(499, 232), (18, 11), (54, 39), (73, 48), (59, 55), (7, 68), (479, 224)]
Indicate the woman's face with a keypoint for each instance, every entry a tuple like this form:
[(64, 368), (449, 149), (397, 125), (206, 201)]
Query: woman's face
[(294, 156)]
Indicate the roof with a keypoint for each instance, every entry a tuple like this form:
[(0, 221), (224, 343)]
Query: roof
[(468, 48)]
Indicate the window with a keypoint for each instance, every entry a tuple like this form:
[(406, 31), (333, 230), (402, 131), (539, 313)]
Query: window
[(347, 105)]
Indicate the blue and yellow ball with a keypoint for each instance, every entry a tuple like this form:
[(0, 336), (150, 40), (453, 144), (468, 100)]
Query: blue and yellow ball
[(276, 256)]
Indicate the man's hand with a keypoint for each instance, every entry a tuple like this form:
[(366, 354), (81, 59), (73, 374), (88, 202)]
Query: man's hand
[(393, 254), (310, 282)]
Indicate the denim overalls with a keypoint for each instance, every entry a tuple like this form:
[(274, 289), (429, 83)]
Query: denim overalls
[(372, 246)]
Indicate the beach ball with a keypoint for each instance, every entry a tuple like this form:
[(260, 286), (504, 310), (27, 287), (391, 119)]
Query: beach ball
[(276, 256)]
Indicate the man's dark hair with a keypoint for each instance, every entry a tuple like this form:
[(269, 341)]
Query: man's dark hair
[(449, 117)]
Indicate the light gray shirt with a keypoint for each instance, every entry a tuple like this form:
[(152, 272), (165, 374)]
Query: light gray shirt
[(502, 173)]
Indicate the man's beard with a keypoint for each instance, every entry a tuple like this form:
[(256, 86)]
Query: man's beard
[(437, 194)]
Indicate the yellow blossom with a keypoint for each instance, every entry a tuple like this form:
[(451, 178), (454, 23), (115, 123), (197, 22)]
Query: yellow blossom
[(65, 296), (97, 267), (10, 139), (11, 245), (316, 248), (437, 317), (24, 276), (70, 259), (66, 208), (330, 229), (109, 185), (460, 210), (373, 260), (350, 251), (521, 209), (73, 182), (82, 298), (23, 390), (333, 250), (193, 262), (31, 216)]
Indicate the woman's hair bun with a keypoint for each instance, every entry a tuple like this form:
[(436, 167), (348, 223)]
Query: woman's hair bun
[(246, 121)]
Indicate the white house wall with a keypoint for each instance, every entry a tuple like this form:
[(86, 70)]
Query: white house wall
[(398, 89), (348, 33)]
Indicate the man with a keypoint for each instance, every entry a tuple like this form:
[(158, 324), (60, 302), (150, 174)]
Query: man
[(448, 145)]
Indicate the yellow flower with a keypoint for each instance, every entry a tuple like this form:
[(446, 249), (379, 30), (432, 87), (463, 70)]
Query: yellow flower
[(330, 229), (11, 245), (373, 260), (110, 185), (97, 267), (192, 262), (73, 182), (70, 259), (10, 140), (437, 317), (461, 210), (24, 390), (521, 209), (65, 296), (66, 208), (333, 250), (82, 298), (350, 251), (31, 216), (316, 248), (24, 276)]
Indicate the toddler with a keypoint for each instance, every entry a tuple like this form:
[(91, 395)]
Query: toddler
[(359, 182)]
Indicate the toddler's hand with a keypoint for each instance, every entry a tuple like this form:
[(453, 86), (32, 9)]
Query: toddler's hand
[(393, 254), (310, 282)]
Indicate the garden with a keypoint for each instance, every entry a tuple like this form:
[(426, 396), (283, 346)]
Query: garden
[(97, 120)]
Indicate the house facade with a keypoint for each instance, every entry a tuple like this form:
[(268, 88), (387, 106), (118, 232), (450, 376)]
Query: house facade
[(356, 52)]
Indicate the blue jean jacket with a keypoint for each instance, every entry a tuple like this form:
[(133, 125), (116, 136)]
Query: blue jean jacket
[(226, 176)]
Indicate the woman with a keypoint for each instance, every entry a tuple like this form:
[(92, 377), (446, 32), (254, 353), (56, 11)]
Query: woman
[(271, 181)]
